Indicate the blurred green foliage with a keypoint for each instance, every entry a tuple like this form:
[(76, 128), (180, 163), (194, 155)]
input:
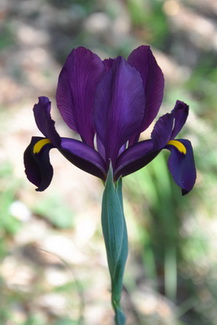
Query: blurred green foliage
[(54, 209), (9, 225), (6, 37), (149, 17)]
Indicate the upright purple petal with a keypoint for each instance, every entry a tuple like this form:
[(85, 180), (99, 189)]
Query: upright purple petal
[(76, 91), (100, 147), (108, 63), (180, 113), (169, 125), (119, 103), (162, 131), (44, 122), (182, 166), (153, 81)]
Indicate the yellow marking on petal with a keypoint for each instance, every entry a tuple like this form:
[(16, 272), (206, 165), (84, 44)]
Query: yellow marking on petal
[(40, 144), (180, 146)]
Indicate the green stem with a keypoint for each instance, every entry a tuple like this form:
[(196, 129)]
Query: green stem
[(120, 318), (116, 242)]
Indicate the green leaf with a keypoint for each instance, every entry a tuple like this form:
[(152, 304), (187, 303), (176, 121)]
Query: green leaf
[(115, 236)]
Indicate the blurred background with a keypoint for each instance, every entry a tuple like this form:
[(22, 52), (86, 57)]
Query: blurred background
[(53, 266)]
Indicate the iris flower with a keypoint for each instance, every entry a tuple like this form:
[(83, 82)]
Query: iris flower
[(109, 103)]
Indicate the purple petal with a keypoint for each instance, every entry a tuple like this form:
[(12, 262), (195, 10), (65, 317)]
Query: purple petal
[(135, 157), (108, 63), (182, 166), (37, 166), (169, 125), (180, 113), (162, 131), (100, 147), (118, 106), (44, 121), (153, 81), (84, 157), (76, 91)]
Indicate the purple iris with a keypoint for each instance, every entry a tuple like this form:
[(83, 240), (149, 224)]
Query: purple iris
[(109, 103)]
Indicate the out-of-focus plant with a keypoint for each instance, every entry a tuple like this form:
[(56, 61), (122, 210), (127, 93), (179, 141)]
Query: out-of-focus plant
[(149, 21), (9, 225)]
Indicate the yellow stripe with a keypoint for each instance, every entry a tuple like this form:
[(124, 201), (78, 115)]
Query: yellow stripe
[(180, 146), (40, 144)]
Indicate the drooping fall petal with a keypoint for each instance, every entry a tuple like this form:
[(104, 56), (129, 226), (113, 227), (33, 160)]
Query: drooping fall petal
[(182, 166), (37, 165)]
